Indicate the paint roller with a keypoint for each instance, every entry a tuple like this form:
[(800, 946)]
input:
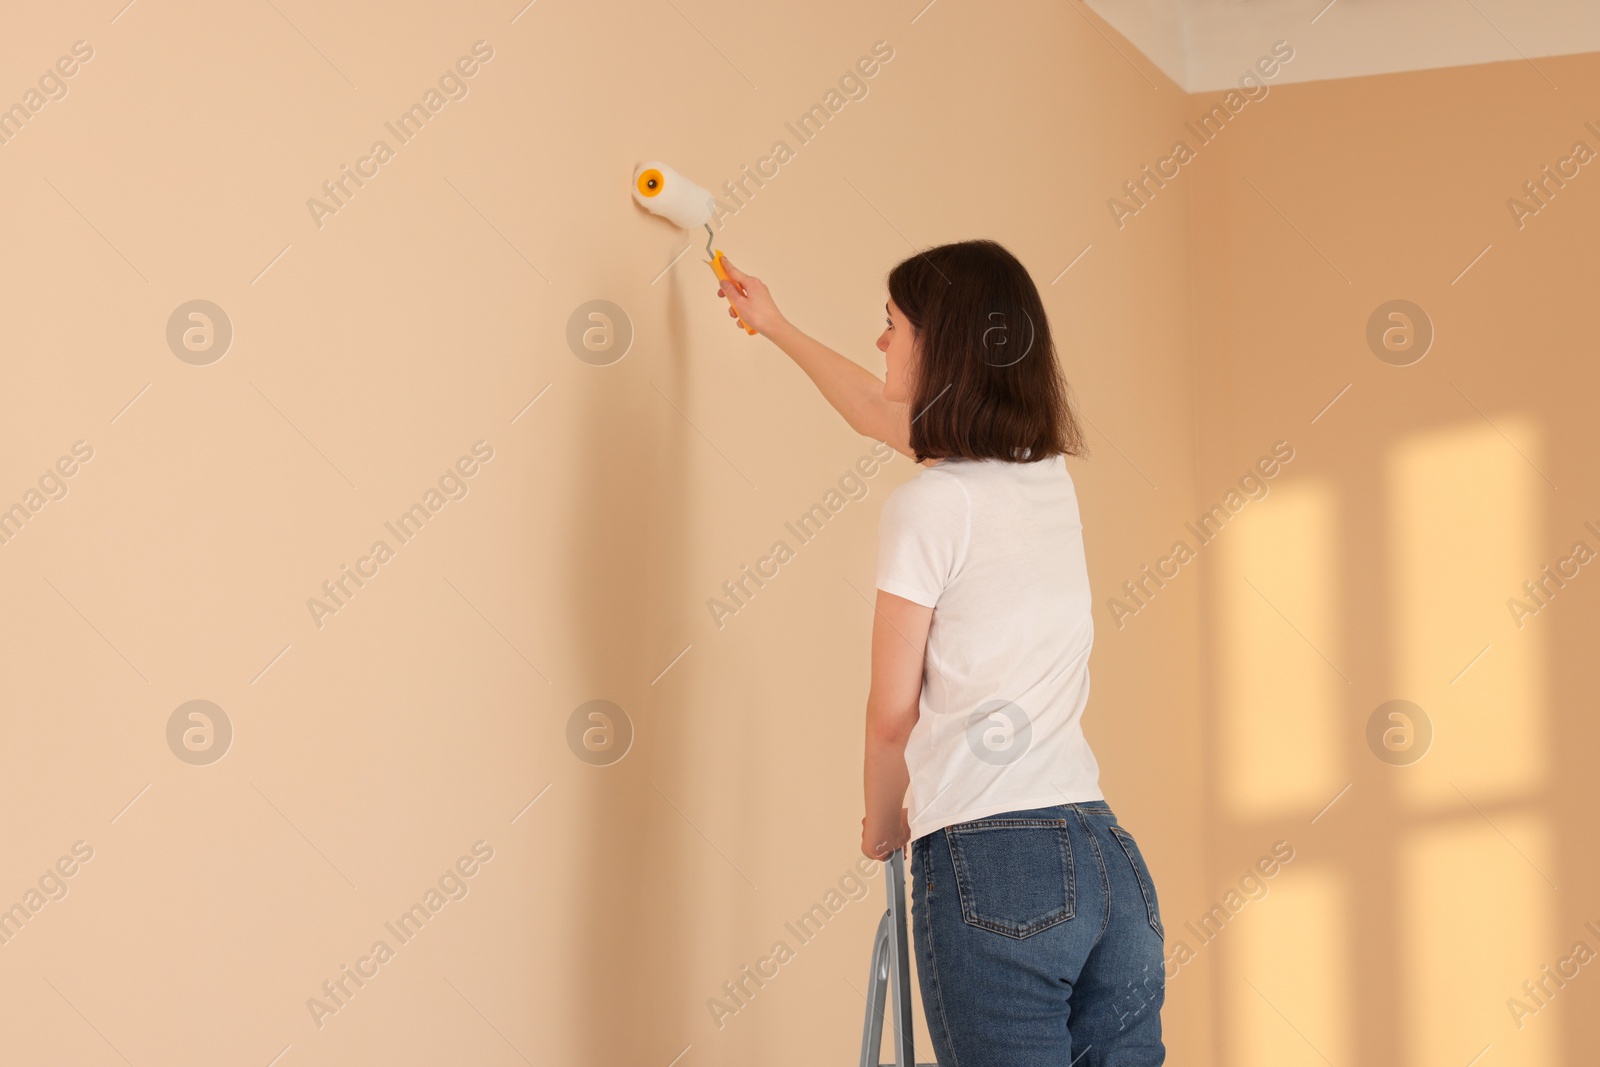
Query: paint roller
[(662, 191)]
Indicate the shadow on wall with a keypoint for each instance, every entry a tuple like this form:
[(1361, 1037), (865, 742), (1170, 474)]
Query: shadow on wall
[(1417, 844), (629, 936)]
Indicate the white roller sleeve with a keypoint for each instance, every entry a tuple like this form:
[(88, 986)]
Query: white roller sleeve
[(680, 200)]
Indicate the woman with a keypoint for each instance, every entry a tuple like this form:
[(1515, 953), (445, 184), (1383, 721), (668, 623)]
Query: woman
[(1038, 935)]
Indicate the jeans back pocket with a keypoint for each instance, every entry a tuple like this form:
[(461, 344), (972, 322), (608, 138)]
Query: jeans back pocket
[(1142, 873), (1014, 876)]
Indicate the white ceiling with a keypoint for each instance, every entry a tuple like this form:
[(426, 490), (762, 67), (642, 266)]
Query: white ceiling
[(1208, 44)]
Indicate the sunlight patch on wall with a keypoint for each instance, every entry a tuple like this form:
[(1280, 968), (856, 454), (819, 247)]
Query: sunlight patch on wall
[(1280, 689), (1289, 975), (1475, 915), (1464, 534)]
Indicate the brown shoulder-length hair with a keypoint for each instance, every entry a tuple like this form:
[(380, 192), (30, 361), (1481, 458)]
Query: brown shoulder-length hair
[(986, 384)]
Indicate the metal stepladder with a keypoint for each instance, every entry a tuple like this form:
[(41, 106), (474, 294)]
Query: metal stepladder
[(891, 971)]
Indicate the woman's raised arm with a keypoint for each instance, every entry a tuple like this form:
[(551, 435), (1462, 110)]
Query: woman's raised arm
[(854, 391)]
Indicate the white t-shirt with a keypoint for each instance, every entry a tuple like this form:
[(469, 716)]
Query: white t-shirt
[(996, 549)]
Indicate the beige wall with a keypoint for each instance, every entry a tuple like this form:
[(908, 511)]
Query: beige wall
[(370, 353), (1383, 564)]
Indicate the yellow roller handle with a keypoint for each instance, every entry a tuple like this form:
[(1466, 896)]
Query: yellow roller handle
[(722, 275)]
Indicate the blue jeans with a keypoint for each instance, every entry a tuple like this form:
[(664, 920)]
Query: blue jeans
[(1038, 941)]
